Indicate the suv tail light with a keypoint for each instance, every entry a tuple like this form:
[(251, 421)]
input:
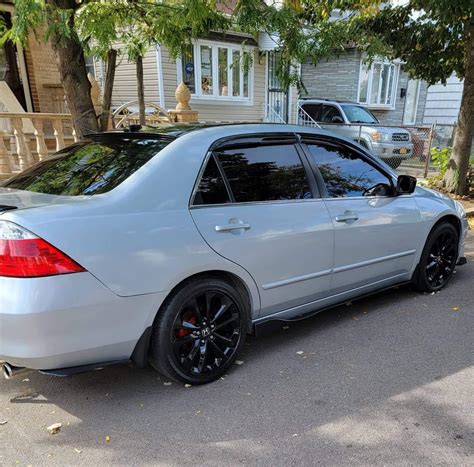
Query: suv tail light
[(23, 254)]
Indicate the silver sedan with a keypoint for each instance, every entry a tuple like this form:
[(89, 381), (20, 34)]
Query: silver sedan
[(170, 245)]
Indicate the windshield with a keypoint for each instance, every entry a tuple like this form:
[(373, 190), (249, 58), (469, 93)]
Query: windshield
[(88, 168), (357, 114)]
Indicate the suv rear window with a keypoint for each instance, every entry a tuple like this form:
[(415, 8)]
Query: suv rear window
[(88, 168)]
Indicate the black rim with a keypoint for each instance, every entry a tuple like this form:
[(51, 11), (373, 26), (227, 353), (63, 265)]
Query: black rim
[(441, 259), (206, 333)]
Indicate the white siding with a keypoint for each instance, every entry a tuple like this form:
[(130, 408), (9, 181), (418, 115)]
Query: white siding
[(125, 85), (443, 102), (214, 110)]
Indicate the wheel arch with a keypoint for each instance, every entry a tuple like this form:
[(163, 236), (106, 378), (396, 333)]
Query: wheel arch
[(451, 219), (140, 354), (253, 303)]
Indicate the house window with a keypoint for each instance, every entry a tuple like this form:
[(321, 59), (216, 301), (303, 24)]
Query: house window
[(187, 67), (214, 71), (377, 84)]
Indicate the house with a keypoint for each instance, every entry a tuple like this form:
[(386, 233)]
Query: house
[(221, 90), (31, 72), (383, 87), (443, 102)]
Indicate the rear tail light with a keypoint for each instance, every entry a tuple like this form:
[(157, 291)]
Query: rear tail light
[(23, 254)]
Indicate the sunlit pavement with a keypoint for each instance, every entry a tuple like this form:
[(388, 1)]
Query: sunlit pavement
[(386, 380)]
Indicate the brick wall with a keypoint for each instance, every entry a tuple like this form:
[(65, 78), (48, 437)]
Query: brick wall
[(338, 78), (47, 92)]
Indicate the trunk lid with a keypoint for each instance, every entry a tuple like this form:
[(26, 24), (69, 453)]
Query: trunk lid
[(11, 199)]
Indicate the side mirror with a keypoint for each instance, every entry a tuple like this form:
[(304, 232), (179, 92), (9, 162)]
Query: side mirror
[(406, 184), (337, 119)]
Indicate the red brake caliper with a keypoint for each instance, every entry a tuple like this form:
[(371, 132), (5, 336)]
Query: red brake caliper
[(185, 332)]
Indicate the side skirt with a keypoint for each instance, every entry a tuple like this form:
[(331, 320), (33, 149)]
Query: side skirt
[(259, 325)]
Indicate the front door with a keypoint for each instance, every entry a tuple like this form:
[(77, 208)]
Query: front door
[(257, 205), (277, 95), (376, 233)]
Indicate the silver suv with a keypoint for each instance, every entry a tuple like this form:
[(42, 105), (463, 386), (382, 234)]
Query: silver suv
[(354, 121)]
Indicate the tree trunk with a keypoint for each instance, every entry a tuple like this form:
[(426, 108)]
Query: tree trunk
[(108, 87), (455, 179), (72, 69), (141, 90)]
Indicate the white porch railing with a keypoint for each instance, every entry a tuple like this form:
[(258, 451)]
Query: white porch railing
[(272, 116), (305, 119), (26, 138)]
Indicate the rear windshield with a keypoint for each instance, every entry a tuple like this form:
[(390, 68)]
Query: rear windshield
[(88, 168)]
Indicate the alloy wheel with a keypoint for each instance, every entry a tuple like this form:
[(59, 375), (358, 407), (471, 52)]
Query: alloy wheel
[(206, 333), (441, 259)]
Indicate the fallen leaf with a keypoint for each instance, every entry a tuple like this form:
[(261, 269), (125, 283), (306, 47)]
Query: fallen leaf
[(107, 439), (55, 428), (455, 308), (239, 362)]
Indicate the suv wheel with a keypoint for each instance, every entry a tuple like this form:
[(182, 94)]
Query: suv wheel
[(199, 331)]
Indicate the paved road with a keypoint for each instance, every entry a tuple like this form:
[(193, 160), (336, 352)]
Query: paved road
[(387, 380)]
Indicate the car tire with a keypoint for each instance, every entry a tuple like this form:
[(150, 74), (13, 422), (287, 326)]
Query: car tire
[(199, 331), (394, 162), (438, 259)]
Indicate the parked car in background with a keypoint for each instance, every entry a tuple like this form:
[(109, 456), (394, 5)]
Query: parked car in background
[(169, 245), (356, 122)]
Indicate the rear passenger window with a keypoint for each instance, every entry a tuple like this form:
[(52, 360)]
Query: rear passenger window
[(265, 173), (212, 189)]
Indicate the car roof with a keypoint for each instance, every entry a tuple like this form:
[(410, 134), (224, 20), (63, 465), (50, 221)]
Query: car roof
[(317, 99), (168, 130), (206, 133)]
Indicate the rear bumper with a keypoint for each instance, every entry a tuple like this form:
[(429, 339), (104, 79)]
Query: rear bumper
[(70, 320)]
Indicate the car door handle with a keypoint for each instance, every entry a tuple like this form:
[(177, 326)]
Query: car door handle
[(347, 217), (231, 227)]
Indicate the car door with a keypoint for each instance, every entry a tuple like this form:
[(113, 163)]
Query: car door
[(376, 233), (256, 204)]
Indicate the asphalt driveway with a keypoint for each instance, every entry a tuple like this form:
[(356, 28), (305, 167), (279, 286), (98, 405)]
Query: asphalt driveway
[(386, 380)]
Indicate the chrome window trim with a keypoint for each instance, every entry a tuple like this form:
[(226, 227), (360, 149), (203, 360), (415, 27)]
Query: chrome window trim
[(251, 203)]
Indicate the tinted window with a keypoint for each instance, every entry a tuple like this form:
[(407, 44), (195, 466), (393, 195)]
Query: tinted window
[(328, 113), (346, 174), (265, 173), (313, 110), (88, 168), (211, 188)]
